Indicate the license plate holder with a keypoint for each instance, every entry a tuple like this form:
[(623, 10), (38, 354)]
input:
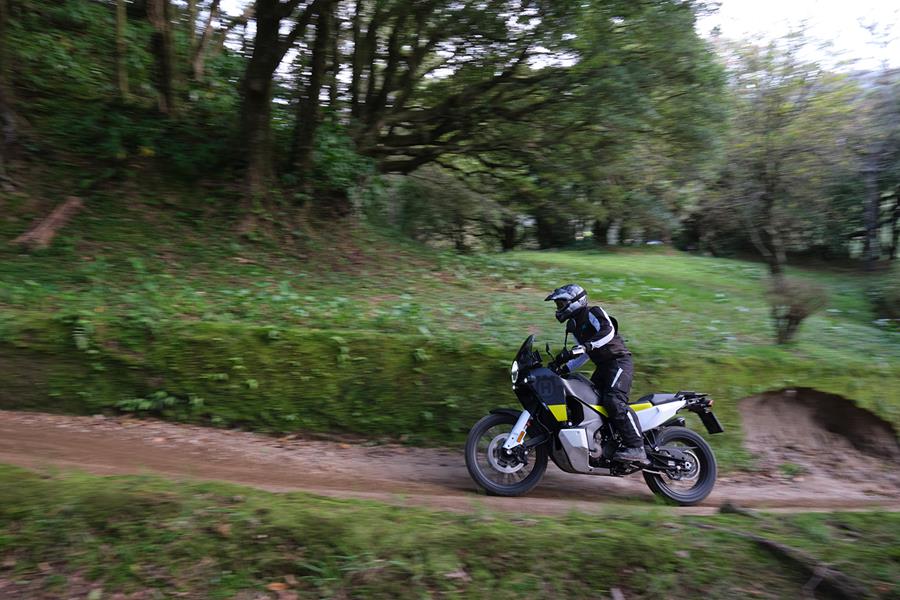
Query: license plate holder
[(710, 421)]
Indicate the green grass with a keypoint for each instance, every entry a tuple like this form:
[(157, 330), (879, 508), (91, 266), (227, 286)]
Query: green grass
[(142, 305), (214, 541)]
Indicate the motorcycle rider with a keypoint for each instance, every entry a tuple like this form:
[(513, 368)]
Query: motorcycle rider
[(598, 339)]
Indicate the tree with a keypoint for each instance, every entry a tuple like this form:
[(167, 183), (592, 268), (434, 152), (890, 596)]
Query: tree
[(159, 13), (785, 145), (632, 117), (7, 116), (269, 48), (121, 50), (878, 146), (308, 102), (199, 46)]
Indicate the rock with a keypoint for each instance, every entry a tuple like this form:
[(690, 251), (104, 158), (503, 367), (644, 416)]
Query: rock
[(616, 594)]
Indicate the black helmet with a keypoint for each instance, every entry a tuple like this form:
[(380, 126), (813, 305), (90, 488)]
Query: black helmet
[(570, 300)]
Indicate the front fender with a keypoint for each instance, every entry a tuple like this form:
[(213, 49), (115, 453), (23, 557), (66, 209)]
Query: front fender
[(507, 411)]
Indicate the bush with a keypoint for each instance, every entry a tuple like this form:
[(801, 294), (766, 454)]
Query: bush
[(792, 301)]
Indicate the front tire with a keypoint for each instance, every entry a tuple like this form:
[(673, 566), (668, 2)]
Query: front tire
[(685, 489), (485, 465)]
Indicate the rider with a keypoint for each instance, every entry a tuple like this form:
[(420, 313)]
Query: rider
[(598, 338)]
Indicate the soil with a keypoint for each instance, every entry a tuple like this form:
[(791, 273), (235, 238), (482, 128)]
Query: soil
[(821, 437), (827, 470)]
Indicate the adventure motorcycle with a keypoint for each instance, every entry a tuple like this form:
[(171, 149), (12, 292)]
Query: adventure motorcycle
[(564, 420)]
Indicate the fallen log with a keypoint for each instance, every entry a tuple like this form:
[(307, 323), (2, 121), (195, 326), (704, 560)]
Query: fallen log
[(836, 582), (43, 232)]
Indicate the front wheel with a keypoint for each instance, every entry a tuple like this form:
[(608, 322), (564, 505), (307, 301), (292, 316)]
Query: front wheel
[(692, 485), (500, 474)]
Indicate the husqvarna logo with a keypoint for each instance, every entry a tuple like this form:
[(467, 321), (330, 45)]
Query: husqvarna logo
[(548, 387)]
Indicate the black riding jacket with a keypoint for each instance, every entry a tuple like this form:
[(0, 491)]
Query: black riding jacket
[(598, 333)]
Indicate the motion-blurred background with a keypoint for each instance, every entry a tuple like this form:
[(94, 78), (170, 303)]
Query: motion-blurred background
[(293, 246)]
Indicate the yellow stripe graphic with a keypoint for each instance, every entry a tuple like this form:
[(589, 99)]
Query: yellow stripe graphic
[(559, 411)]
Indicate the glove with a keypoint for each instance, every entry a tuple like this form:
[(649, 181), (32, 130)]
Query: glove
[(566, 355)]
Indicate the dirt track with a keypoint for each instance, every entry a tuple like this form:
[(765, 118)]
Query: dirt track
[(425, 477)]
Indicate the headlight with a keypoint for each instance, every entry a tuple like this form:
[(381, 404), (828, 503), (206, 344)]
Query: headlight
[(514, 371)]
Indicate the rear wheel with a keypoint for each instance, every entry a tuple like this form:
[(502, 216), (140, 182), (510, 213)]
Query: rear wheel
[(499, 473), (693, 484)]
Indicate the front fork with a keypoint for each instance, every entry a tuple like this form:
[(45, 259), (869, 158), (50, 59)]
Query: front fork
[(518, 431)]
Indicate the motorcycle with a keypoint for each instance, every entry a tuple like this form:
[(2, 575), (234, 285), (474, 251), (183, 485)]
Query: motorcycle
[(564, 421)]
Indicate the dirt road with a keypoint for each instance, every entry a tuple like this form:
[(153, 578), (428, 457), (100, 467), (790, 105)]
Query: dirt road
[(415, 476)]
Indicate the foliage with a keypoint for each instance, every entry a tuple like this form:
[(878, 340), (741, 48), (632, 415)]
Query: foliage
[(64, 80), (435, 206), (785, 146), (131, 534), (338, 166)]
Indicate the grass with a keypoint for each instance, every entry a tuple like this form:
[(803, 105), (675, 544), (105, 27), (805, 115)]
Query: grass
[(148, 302), (64, 532)]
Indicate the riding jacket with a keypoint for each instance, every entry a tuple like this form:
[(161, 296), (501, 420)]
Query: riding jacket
[(598, 333)]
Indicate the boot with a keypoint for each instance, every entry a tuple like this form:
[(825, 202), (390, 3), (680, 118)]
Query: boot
[(632, 454)]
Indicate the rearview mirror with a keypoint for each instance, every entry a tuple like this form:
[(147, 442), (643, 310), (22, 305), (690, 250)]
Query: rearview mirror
[(570, 326)]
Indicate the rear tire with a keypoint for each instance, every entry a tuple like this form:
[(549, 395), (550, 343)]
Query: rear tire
[(705, 479), (494, 482)]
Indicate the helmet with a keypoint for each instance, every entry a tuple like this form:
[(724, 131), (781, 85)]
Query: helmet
[(570, 300)]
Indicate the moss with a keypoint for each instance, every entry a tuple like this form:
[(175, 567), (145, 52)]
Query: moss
[(232, 374)]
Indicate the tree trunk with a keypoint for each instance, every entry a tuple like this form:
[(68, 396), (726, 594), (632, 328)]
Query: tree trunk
[(870, 216), (255, 117), (256, 96), (192, 26), (7, 116), (198, 57), (509, 234), (335, 56), (308, 105), (601, 232), (256, 88), (356, 76), (159, 15), (765, 236), (121, 50), (895, 224)]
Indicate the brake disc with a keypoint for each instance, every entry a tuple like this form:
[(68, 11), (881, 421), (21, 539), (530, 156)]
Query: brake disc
[(493, 451)]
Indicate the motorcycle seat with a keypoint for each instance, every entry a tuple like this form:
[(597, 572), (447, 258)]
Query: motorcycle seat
[(656, 399)]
